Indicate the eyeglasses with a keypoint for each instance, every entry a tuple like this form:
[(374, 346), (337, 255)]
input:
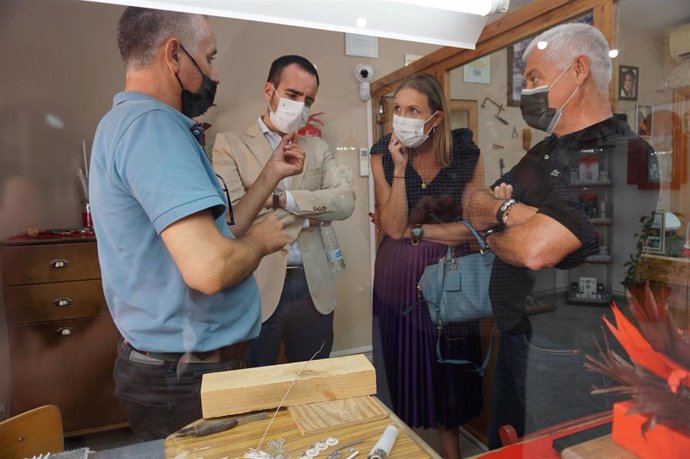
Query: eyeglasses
[(227, 195)]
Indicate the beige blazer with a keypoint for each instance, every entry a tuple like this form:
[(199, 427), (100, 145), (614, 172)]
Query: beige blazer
[(320, 193)]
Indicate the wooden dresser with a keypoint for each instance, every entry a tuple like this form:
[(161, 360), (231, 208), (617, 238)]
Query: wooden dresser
[(62, 340)]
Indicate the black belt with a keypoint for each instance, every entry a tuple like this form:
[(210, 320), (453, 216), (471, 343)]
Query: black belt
[(232, 352), (293, 270)]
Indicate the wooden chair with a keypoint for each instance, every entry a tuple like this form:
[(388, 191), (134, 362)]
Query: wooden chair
[(509, 436), (31, 433)]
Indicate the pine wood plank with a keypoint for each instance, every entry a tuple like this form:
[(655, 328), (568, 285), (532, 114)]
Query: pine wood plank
[(320, 417), (253, 389)]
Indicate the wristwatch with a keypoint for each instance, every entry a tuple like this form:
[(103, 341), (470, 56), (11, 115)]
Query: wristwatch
[(417, 232), (504, 210), (277, 193)]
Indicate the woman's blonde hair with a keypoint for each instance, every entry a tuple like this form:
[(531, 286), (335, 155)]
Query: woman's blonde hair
[(428, 85)]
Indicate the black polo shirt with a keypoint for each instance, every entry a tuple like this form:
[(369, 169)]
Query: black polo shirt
[(542, 179)]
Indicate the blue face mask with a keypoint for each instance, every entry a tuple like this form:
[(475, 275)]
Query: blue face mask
[(534, 105), (197, 103)]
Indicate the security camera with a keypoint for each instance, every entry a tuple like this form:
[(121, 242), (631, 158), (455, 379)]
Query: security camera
[(364, 73)]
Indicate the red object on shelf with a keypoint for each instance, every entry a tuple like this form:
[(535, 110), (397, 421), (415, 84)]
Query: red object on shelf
[(310, 128), (658, 442), (86, 220)]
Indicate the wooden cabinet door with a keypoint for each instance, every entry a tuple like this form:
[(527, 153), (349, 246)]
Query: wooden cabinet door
[(70, 364)]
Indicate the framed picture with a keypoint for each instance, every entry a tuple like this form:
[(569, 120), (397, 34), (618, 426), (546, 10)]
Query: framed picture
[(628, 78), (656, 237), (516, 66), (643, 119), (478, 71), (515, 69)]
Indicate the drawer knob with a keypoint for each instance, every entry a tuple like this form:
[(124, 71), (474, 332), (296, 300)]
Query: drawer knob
[(62, 302), (59, 263), (65, 331)]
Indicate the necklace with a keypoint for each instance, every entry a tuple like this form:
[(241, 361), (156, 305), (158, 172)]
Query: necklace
[(423, 185)]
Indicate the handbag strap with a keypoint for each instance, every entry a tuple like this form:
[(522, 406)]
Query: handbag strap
[(483, 246)]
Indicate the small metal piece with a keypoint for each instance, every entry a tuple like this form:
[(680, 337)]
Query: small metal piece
[(65, 331), (332, 441), (62, 302), (59, 263), (321, 445), (313, 452), (339, 452)]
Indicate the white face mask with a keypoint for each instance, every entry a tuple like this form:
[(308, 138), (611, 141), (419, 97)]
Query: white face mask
[(290, 114), (410, 131)]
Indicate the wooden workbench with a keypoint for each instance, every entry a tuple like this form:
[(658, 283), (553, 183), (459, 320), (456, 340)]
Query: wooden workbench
[(235, 442)]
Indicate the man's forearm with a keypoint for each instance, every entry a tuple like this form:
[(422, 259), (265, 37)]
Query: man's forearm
[(253, 201), (539, 243)]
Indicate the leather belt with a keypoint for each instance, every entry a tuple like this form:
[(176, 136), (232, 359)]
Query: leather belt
[(293, 270), (233, 352)]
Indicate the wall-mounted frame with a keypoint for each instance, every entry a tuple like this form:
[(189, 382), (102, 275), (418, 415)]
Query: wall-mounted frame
[(515, 69), (628, 79), (478, 71)]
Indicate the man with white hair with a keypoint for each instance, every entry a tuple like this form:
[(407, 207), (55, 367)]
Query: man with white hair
[(532, 220), (177, 281)]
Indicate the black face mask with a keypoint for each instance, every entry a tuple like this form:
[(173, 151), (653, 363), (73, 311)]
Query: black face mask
[(534, 105), (197, 103)]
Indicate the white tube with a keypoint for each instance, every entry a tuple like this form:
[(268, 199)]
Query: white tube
[(383, 447)]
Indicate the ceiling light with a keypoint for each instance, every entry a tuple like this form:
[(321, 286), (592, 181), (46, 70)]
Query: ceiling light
[(480, 7), (361, 22)]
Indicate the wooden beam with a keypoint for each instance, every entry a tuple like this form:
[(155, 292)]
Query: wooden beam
[(252, 389)]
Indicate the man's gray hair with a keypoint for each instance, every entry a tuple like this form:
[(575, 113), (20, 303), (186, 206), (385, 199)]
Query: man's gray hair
[(568, 41), (142, 31)]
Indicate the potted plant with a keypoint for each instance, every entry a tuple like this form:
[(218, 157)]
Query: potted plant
[(631, 280)]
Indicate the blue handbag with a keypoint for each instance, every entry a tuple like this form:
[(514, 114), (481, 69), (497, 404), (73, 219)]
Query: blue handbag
[(457, 290)]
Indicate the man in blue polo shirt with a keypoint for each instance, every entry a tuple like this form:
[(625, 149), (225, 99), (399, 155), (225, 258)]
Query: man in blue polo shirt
[(177, 282)]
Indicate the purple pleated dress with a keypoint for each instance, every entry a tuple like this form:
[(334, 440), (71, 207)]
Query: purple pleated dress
[(421, 391)]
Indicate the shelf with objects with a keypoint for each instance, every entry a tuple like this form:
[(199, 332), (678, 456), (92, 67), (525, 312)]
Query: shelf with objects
[(592, 183)]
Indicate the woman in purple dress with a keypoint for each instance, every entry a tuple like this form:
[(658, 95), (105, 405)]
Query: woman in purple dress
[(422, 174)]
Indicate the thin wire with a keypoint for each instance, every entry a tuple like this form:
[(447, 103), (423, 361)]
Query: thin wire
[(280, 405)]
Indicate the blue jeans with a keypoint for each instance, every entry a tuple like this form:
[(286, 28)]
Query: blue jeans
[(159, 398), (538, 384), (297, 323)]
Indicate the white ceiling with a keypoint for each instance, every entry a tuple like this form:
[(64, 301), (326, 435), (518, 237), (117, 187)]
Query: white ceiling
[(652, 14), (655, 14)]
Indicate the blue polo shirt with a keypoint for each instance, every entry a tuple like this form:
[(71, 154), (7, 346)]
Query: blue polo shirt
[(147, 172)]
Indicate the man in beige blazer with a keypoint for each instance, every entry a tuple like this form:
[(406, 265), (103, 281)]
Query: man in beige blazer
[(296, 285)]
